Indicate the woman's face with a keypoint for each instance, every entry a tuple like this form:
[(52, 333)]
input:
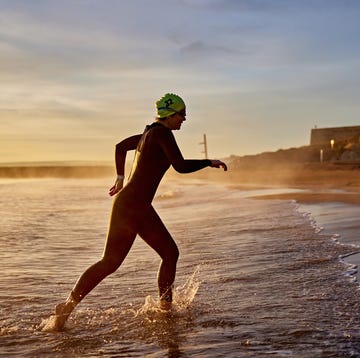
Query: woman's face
[(174, 122)]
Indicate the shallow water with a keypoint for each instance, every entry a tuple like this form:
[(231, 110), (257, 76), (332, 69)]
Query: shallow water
[(255, 278), (340, 221)]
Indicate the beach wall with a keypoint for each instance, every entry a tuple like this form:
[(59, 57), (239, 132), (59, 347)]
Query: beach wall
[(323, 136)]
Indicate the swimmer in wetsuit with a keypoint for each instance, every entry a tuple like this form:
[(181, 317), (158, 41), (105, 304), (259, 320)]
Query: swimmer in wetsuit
[(132, 212)]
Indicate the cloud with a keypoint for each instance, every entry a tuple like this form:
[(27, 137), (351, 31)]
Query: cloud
[(44, 48), (199, 48)]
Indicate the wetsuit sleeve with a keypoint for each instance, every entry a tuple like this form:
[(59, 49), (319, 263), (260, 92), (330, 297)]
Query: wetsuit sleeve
[(181, 165), (121, 150)]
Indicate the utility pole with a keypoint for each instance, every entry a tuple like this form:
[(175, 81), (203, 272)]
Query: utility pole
[(204, 143)]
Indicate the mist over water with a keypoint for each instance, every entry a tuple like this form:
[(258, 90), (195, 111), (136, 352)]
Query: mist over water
[(56, 170), (255, 278)]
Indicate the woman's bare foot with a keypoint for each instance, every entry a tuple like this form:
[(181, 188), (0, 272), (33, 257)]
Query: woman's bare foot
[(165, 305), (62, 312), (166, 300)]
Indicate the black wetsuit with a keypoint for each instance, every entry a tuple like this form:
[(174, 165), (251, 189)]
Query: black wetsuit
[(133, 214)]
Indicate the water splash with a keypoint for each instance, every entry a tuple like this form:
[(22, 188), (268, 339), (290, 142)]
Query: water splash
[(149, 312), (183, 296), (167, 329), (48, 324)]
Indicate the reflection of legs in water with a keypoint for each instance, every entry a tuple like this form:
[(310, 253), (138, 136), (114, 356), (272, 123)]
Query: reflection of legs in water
[(119, 241), (154, 233)]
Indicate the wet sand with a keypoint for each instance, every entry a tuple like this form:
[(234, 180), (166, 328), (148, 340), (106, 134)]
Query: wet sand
[(316, 197), (320, 184)]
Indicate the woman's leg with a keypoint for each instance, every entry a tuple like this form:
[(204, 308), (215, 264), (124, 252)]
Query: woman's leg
[(154, 233), (116, 248), (121, 235)]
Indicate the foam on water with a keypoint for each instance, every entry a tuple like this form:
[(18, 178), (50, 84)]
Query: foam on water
[(333, 219)]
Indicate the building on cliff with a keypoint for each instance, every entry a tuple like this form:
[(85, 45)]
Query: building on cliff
[(329, 136)]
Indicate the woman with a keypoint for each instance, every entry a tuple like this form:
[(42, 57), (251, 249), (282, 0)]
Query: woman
[(132, 212)]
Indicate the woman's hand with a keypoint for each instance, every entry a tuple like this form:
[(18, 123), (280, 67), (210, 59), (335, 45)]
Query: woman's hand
[(218, 164), (119, 183)]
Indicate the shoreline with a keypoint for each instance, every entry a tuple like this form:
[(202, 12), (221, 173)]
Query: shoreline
[(318, 189), (316, 182)]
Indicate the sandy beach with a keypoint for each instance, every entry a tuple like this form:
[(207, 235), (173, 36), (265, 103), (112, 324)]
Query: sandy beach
[(317, 182)]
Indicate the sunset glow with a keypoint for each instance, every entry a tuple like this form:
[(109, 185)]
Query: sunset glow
[(78, 76)]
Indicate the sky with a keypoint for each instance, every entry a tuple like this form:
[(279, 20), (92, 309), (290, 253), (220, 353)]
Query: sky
[(78, 76)]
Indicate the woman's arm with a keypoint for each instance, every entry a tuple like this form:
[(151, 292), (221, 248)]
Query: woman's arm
[(120, 156), (121, 149), (182, 165)]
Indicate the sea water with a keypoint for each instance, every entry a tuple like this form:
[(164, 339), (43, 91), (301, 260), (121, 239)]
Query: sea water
[(255, 278)]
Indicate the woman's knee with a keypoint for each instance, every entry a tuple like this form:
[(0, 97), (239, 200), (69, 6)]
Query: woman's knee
[(171, 254), (176, 253)]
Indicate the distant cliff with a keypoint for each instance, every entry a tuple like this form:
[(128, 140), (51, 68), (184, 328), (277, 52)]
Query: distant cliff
[(341, 153), (268, 160)]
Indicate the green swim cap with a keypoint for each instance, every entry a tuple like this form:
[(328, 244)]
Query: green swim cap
[(169, 104)]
